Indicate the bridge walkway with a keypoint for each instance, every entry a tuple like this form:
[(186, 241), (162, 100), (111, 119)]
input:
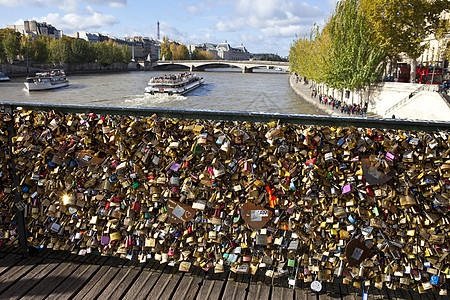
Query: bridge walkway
[(49, 274)]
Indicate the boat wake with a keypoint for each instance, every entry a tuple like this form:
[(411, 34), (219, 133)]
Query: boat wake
[(147, 99)]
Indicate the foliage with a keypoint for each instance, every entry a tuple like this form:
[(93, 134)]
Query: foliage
[(343, 55), (198, 54), (166, 53), (400, 26), (309, 56), (81, 52), (181, 53), (356, 60), (10, 44), (42, 49)]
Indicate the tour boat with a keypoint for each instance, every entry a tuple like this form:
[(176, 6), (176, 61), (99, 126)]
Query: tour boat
[(3, 77), (47, 80), (173, 84)]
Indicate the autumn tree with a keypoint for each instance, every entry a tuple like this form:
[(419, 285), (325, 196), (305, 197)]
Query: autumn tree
[(181, 53), (400, 26), (165, 49), (198, 54)]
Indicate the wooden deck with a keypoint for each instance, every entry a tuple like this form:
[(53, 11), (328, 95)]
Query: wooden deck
[(61, 275)]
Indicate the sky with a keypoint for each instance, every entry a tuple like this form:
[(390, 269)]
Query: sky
[(262, 26)]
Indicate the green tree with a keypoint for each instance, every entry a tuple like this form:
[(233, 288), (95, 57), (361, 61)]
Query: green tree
[(40, 49), (80, 51), (165, 49), (126, 53), (400, 26), (10, 40), (356, 61), (102, 53), (61, 50)]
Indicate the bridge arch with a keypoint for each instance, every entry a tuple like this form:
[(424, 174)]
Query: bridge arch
[(245, 66)]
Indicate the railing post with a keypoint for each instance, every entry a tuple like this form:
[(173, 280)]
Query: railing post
[(18, 201)]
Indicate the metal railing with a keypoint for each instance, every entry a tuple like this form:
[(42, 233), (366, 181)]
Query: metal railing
[(407, 99), (234, 116)]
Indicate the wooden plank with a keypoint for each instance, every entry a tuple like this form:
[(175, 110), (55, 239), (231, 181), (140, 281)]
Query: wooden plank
[(258, 291), (69, 287), (9, 261), (151, 283), (141, 281), (211, 289), (52, 281), (282, 293), (242, 290), (304, 294), (95, 282), (171, 287), (29, 280), (231, 290), (102, 282), (16, 272), (188, 287), (124, 285), (160, 286), (109, 288)]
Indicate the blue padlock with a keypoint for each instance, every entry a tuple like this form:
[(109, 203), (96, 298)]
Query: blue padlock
[(434, 280)]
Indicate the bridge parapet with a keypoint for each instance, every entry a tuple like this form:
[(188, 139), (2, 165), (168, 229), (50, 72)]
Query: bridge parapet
[(246, 66), (170, 182)]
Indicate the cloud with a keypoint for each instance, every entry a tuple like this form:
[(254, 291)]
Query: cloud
[(66, 5), (198, 7), (281, 18), (71, 22)]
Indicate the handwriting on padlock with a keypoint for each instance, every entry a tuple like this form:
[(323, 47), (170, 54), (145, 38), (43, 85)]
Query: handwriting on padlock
[(179, 212)]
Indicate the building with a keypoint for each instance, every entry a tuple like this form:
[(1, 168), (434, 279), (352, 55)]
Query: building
[(226, 52), (144, 48), (222, 51), (89, 36), (432, 65), (34, 28)]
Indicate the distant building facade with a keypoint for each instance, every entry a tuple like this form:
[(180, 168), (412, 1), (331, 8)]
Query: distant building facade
[(89, 36), (34, 28), (222, 51), (144, 48)]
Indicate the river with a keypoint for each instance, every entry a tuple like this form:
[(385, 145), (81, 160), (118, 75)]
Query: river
[(224, 89)]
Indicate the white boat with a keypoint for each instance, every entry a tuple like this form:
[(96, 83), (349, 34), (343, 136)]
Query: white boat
[(180, 84), (3, 77), (47, 80)]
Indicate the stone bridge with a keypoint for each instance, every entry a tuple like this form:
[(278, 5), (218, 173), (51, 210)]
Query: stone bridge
[(247, 66)]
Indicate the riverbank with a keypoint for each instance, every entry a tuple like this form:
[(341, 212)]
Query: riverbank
[(305, 93), (21, 70)]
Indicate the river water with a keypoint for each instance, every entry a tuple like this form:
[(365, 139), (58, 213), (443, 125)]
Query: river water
[(223, 89)]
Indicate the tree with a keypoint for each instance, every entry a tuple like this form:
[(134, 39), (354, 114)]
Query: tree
[(102, 53), (10, 48), (40, 49), (61, 50), (80, 51), (182, 53), (173, 51), (165, 49), (126, 53), (198, 54), (400, 26), (356, 60)]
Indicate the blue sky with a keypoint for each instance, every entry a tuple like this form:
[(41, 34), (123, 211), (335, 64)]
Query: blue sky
[(260, 25)]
